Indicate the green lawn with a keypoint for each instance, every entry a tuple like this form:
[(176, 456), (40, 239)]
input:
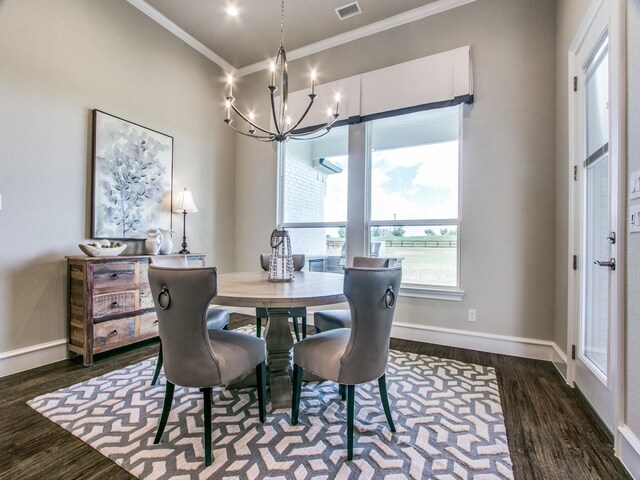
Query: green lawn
[(431, 266)]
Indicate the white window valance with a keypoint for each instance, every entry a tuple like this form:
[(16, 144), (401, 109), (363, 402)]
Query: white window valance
[(436, 81)]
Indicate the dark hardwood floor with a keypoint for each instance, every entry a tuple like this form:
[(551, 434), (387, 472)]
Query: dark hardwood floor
[(552, 433)]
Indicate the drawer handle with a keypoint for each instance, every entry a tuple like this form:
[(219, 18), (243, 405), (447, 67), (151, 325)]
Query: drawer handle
[(113, 334), (114, 276), (114, 304), (155, 324)]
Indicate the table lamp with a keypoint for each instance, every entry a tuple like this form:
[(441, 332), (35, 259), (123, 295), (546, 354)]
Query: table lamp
[(184, 205)]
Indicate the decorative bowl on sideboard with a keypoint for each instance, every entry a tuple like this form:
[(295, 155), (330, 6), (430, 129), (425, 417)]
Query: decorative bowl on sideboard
[(101, 251)]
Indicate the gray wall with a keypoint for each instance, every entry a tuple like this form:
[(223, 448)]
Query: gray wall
[(59, 60), (508, 228), (633, 240)]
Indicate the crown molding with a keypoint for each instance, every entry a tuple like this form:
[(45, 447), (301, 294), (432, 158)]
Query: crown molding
[(434, 8), (158, 17), (409, 16)]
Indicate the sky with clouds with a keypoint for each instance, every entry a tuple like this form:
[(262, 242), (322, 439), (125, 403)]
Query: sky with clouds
[(412, 183)]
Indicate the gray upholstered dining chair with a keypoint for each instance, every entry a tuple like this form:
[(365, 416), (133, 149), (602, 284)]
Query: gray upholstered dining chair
[(195, 356), (217, 318), (330, 319), (356, 355), (296, 312)]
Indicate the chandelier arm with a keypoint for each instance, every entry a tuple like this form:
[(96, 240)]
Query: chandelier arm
[(256, 126), (268, 138), (311, 100), (326, 126), (293, 137), (273, 112)]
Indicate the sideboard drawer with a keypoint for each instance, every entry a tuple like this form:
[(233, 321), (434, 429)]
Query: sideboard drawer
[(107, 304), (116, 274), (148, 324), (107, 335)]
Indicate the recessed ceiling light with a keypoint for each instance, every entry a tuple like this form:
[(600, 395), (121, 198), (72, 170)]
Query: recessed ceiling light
[(232, 11)]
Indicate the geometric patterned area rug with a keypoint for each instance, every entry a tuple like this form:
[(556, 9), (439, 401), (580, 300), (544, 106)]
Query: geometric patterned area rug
[(447, 414)]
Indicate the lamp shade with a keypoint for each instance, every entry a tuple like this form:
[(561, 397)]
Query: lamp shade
[(185, 203)]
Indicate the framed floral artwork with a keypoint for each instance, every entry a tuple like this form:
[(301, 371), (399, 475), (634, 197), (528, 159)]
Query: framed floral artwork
[(132, 173)]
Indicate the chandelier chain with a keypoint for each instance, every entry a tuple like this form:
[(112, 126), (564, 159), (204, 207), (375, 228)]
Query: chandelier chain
[(282, 23)]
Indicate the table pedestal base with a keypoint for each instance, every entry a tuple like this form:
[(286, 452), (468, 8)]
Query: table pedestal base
[(279, 345)]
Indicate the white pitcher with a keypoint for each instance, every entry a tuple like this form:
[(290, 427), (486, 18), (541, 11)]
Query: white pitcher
[(153, 241), (166, 245)]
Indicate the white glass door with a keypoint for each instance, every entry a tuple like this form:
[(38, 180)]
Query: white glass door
[(594, 374)]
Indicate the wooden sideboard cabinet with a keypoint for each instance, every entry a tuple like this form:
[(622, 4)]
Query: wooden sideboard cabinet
[(109, 302)]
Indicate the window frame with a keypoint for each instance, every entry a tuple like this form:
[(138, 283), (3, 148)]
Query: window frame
[(360, 156)]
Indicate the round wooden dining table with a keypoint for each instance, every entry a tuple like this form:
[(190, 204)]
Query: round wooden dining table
[(253, 289)]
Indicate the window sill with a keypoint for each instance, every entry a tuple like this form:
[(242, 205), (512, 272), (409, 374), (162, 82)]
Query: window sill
[(431, 293)]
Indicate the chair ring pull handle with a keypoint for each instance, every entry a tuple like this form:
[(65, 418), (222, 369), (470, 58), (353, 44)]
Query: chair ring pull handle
[(164, 298), (389, 297)]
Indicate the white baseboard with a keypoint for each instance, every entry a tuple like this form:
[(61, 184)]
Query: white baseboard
[(34, 356), (559, 360), (37, 355), (484, 342), (630, 451)]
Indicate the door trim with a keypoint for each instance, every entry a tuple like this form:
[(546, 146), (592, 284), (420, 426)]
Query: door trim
[(617, 143)]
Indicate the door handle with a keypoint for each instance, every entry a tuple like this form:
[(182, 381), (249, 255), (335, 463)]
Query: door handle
[(604, 263)]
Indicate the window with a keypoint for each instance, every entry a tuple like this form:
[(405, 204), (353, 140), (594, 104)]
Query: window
[(408, 166), (313, 200), (414, 193)]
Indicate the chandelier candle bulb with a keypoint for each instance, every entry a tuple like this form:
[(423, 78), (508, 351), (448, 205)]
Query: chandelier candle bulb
[(230, 80), (272, 80), (313, 82)]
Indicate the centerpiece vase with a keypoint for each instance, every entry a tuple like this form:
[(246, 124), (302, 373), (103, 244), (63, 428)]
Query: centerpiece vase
[(281, 260)]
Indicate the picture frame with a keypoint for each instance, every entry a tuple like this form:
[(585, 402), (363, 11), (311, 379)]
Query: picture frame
[(132, 170)]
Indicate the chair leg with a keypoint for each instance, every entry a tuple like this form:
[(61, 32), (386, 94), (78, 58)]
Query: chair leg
[(304, 327), (297, 390), (295, 328), (168, 398), (156, 373), (206, 396), (261, 380), (258, 326), (351, 400), (342, 390), (382, 385)]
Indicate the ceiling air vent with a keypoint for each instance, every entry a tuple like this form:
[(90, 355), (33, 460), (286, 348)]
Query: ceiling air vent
[(348, 10)]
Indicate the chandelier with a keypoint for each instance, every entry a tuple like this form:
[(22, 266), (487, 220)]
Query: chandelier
[(285, 129)]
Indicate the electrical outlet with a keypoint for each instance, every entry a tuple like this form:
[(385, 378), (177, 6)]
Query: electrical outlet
[(634, 219), (472, 314), (634, 185)]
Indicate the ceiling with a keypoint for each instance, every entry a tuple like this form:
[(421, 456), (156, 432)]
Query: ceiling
[(254, 34)]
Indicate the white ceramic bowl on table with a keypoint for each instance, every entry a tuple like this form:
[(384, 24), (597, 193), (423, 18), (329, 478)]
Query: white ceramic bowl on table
[(102, 251)]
